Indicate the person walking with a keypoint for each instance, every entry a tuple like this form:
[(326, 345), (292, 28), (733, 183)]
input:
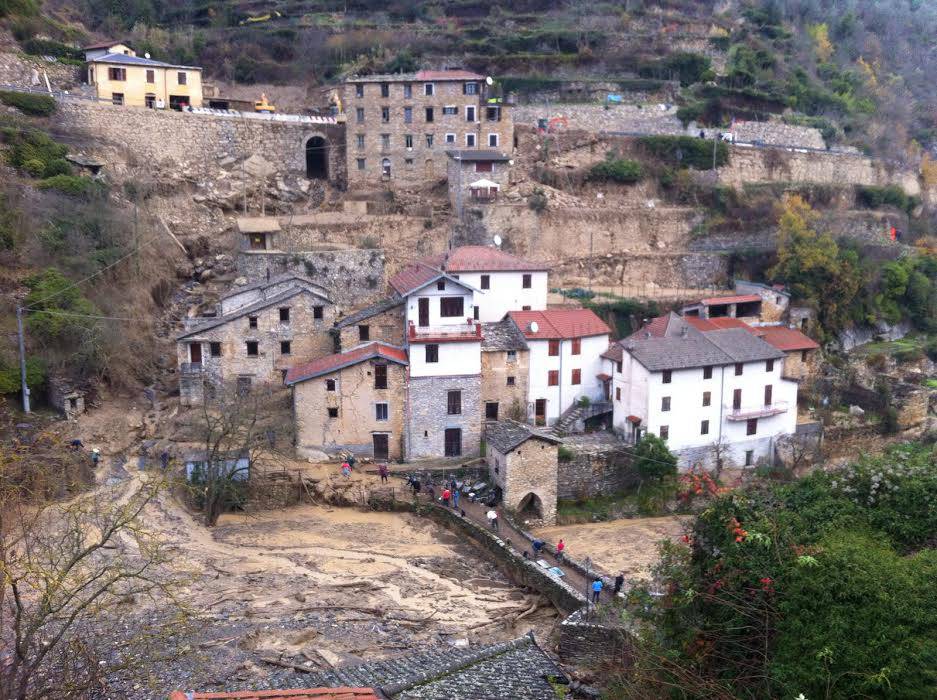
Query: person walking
[(382, 470), (346, 470), (164, 460), (596, 591), (95, 456), (619, 582), (560, 548), (446, 495), (455, 498), (538, 547), (492, 516)]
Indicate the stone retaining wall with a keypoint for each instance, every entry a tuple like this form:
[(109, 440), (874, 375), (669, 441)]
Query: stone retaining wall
[(589, 643), (593, 470)]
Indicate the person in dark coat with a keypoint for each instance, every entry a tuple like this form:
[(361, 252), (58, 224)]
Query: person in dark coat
[(619, 582)]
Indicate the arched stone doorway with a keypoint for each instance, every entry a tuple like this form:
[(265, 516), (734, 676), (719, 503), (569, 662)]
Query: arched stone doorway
[(317, 158), (530, 506)]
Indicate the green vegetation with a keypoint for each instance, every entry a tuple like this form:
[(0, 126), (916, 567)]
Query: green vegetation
[(28, 103), (686, 151), (653, 461), (12, 8), (650, 499), (619, 312), (821, 587), (72, 185), (891, 196), (10, 374), (48, 47), (688, 68), (622, 171), (33, 151)]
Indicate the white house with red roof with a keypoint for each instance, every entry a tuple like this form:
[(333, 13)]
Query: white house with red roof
[(566, 364)]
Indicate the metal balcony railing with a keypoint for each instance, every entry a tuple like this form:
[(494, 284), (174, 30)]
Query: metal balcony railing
[(749, 412)]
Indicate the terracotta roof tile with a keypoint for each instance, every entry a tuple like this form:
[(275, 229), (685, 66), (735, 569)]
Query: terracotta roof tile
[(716, 324), (784, 338), (480, 258), (559, 323), (330, 363)]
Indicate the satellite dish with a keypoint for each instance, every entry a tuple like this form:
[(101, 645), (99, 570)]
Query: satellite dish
[(497, 240), (146, 55), (489, 80), (534, 326)]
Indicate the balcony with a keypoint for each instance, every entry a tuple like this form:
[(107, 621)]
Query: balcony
[(749, 412), (192, 368), (470, 330)]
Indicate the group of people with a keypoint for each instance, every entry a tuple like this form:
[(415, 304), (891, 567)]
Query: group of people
[(451, 493)]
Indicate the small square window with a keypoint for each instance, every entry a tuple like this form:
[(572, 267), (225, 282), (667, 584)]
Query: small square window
[(527, 281), (751, 426), (769, 365), (470, 88), (181, 78), (665, 403), (252, 322), (553, 377), (486, 282), (285, 347), (332, 412), (511, 381), (408, 162), (512, 355), (428, 90), (432, 353), (364, 332), (749, 457), (252, 348), (739, 368), (330, 385), (285, 314), (450, 138), (243, 386), (707, 398), (704, 427), (664, 432), (667, 376), (470, 140), (449, 110), (707, 372), (441, 285), (360, 162), (380, 411), (214, 349), (359, 90), (317, 313)]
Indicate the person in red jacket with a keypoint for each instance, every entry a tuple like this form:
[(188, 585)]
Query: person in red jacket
[(560, 547), (446, 495)]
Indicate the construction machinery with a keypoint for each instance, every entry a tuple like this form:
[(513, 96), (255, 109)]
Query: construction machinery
[(263, 106)]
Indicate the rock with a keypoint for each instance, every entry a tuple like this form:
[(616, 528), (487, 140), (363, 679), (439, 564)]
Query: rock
[(856, 411), (240, 281), (206, 275)]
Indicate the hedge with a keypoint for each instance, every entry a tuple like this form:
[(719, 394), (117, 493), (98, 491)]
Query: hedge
[(72, 185), (29, 103), (622, 171), (686, 151)]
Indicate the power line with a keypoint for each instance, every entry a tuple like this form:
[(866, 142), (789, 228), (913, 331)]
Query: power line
[(76, 315)]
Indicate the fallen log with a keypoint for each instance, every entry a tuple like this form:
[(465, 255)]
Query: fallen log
[(286, 664)]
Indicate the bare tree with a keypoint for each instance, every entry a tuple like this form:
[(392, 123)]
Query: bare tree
[(797, 451), (720, 451)]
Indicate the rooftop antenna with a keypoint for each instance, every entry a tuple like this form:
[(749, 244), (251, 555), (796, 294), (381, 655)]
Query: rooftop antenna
[(489, 81), (534, 326), (146, 55), (497, 240)]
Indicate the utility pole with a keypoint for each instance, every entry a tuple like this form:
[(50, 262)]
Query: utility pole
[(19, 329), (715, 145)]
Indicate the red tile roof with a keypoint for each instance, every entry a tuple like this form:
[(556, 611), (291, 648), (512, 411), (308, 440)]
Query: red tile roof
[(330, 363), (304, 694), (448, 75), (738, 299), (784, 338), (468, 258), (414, 276), (102, 45), (779, 337), (559, 323), (716, 324)]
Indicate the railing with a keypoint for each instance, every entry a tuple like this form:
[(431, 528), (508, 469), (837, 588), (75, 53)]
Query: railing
[(470, 330), (749, 412), (192, 368)]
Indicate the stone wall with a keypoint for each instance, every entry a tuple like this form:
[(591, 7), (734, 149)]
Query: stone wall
[(528, 470), (594, 643), (511, 400), (597, 466), (429, 417), (352, 277), (386, 327), (199, 144)]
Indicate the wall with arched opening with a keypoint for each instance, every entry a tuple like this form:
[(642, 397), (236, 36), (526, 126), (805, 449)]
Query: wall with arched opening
[(317, 158), (530, 506)]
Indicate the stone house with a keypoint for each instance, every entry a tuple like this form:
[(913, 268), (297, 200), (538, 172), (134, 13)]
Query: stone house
[(476, 177), (505, 363), (351, 401), (382, 321), (120, 76), (523, 463), (775, 299), (741, 306), (399, 127), (800, 351), (257, 331), (66, 396)]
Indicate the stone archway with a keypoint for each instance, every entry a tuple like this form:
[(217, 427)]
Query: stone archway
[(530, 506), (317, 158)]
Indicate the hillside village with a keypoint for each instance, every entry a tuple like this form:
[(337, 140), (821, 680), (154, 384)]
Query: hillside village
[(393, 376)]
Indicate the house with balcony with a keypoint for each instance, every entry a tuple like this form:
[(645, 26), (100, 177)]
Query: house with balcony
[(565, 360), (476, 178), (702, 388)]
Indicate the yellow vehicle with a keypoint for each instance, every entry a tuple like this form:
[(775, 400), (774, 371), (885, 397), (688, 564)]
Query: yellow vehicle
[(263, 106)]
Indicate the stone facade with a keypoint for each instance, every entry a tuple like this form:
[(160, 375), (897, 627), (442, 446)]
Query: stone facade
[(497, 368), (527, 476), (591, 643), (594, 464), (462, 172), (197, 143), (429, 417), (355, 400), (801, 364), (235, 351), (66, 397), (386, 327), (395, 150)]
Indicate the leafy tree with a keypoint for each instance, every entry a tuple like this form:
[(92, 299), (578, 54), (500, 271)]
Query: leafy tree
[(57, 310), (822, 46), (653, 461)]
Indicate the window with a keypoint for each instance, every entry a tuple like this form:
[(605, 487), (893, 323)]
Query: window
[(665, 403), (330, 385), (360, 162), (117, 98), (666, 376), (737, 399), (577, 376), (553, 377), (769, 391), (360, 141), (181, 78), (493, 114), (380, 376), (470, 114), (380, 411), (739, 367), (618, 393), (441, 285), (751, 426), (769, 365), (450, 109), (454, 403), (432, 353), (475, 312), (749, 457), (332, 412), (284, 347), (385, 141), (803, 355), (450, 138), (317, 313), (429, 140), (407, 90), (359, 90), (252, 322), (511, 381), (408, 115), (525, 308), (470, 88), (470, 140), (618, 366), (429, 114), (252, 348), (484, 167), (704, 427), (408, 140), (553, 348), (385, 114), (151, 76), (285, 314), (526, 281), (119, 74), (707, 398), (492, 140), (707, 372), (491, 410), (359, 115), (364, 332), (451, 307), (408, 162), (429, 90), (486, 282), (511, 356), (243, 386), (577, 346), (664, 432), (385, 90)]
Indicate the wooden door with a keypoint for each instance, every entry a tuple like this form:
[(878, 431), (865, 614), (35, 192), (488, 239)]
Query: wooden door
[(424, 311), (737, 399), (769, 390), (381, 446), (195, 353), (453, 440), (540, 411)]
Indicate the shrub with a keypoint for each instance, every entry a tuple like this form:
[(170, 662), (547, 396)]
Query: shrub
[(538, 201), (909, 355), (564, 454), (18, 7), (878, 361), (931, 349), (652, 460), (623, 171), (31, 144), (72, 185), (686, 151), (57, 166), (34, 167), (891, 196), (49, 47), (28, 103)]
